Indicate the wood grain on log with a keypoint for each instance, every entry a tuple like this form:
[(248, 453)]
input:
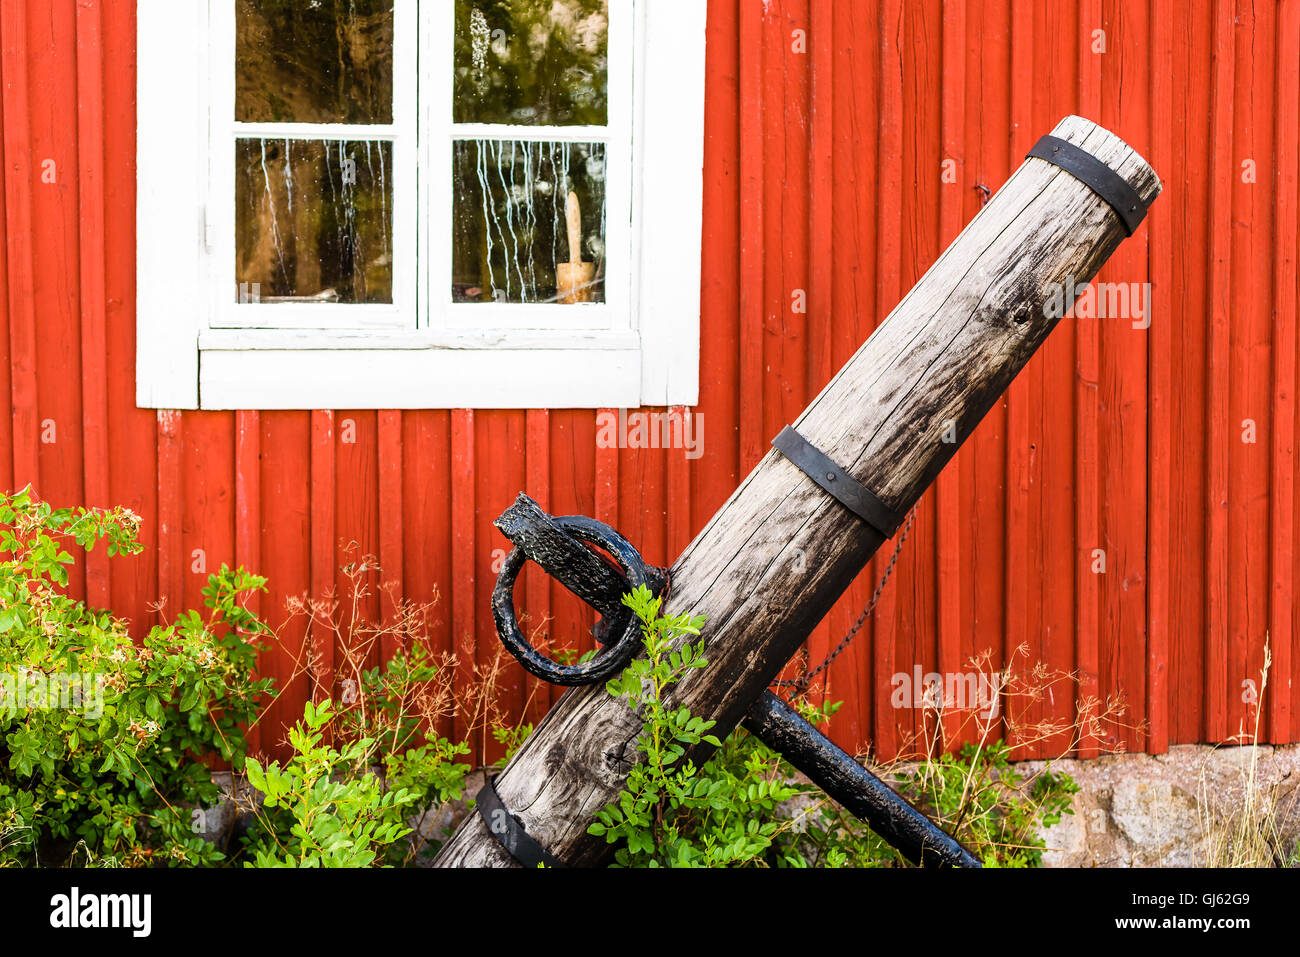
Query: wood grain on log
[(780, 551)]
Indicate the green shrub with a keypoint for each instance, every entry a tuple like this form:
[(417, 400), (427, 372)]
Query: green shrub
[(671, 813), (352, 805), (101, 740), (339, 814), (110, 769)]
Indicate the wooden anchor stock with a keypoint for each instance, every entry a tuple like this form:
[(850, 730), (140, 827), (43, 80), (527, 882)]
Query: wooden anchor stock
[(543, 540), (775, 557)]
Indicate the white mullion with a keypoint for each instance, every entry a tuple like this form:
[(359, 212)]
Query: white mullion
[(426, 54), (438, 64), (402, 213), (619, 168)]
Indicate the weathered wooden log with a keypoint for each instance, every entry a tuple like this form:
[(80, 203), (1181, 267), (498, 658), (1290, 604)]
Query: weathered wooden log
[(780, 551)]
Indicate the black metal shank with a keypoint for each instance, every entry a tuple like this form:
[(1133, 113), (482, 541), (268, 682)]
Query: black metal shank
[(859, 791)]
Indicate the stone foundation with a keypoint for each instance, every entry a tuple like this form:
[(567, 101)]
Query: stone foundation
[(1132, 810), (1139, 810)]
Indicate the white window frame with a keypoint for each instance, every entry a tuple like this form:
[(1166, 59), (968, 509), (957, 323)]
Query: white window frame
[(197, 348)]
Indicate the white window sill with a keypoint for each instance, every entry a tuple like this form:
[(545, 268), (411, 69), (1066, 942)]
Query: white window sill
[(419, 376)]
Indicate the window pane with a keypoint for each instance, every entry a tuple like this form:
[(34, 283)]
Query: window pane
[(321, 61), (531, 62), (510, 232), (313, 220)]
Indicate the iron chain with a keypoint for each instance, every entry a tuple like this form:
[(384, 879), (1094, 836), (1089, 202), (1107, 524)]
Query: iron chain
[(802, 683)]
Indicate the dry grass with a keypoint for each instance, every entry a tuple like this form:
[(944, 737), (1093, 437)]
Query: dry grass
[(1248, 832), (462, 689), (1023, 690)]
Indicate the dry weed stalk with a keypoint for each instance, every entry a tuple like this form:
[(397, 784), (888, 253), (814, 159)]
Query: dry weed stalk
[(361, 642), (1020, 689)]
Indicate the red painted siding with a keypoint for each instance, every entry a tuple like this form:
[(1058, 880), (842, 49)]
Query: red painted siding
[(823, 179)]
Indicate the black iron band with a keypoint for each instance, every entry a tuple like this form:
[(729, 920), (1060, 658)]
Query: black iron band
[(509, 830), (1096, 175), (836, 482)]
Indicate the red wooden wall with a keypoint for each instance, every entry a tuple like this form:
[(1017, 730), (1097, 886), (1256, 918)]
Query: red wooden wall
[(828, 123)]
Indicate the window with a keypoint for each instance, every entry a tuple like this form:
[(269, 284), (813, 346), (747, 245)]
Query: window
[(402, 204)]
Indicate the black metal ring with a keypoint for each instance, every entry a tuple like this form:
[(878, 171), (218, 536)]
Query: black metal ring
[(616, 655)]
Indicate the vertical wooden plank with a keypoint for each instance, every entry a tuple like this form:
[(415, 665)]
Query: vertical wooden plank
[(856, 75), (426, 527), (1086, 456), (1286, 306), (717, 474), (356, 533), (391, 516), (948, 525), (607, 469), (1250, 425), (500, 472), (888, 278), (821, 184), (19, 177), (208, 501), (678, 528), (6, 422), (914, 615), (575, 443), (1188, 212), (785, 282), (984, 497), (1020, 563), (323, 549), (752, 233), (1219, 304), (1123, 394), (132, 449), (94, 348), (51, 52), (537, 462), (170, 506), (821, 193), (785, 224), (248, 514), (1052, 513), (643, 492), (1161, 342), (462, 585), (284, 549)]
